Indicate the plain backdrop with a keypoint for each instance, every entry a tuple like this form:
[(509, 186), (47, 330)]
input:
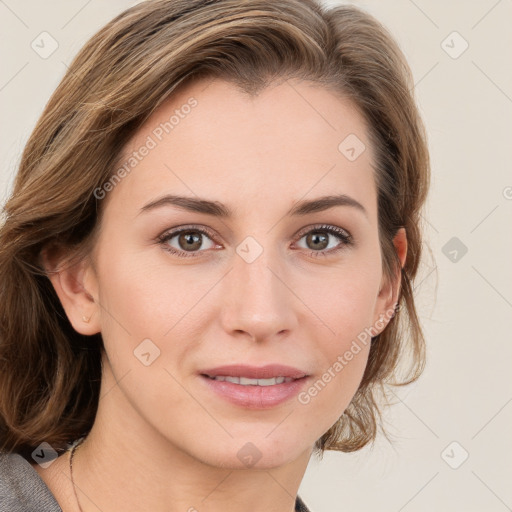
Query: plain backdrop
[(451, 430)]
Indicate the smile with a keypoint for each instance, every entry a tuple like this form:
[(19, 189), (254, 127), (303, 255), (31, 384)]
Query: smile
[(246, 381)]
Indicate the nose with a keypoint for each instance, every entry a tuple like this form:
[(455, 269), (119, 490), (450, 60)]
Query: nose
[(259, 302)]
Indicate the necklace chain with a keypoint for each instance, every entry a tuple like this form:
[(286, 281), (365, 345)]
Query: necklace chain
[(72, 454)]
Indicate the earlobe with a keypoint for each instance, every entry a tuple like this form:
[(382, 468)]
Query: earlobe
[(72, 283)]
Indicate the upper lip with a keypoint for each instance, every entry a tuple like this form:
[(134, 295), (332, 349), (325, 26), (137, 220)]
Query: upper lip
[(255, 372)]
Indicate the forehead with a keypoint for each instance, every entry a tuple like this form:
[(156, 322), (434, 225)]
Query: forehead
[(209, 139)]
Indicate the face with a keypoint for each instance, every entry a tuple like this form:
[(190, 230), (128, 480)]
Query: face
[(270, 288)]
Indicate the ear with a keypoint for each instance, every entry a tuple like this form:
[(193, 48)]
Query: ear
[(76, 286), (390, 288)]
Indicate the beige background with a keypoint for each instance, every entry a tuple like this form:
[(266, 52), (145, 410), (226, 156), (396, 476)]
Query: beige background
[(465, 393)]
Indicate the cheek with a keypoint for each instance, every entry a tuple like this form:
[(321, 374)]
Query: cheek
[(136, 294), (142, 320), (151, 316), (345, 300), (346, 306), (331, 391)]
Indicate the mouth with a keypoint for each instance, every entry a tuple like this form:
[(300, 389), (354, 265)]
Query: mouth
[(255, 387), (246, 381), (260, 373)]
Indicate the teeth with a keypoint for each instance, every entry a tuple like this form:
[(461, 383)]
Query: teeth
[(245, 381)]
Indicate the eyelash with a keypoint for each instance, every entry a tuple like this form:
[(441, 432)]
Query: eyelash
[(344, 236)]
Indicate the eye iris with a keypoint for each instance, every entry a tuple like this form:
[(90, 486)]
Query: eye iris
[(314, 237), (191, 240)]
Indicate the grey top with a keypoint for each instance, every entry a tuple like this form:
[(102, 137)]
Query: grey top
[(21, 487), (23, 490)]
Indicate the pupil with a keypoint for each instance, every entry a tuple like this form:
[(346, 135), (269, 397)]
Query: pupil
[(318, 238), (190, 239)]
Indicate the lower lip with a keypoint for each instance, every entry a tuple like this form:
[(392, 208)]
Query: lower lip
[(256, 397)]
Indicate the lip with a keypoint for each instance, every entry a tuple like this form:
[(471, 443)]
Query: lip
[(255, 397), (255, 372)]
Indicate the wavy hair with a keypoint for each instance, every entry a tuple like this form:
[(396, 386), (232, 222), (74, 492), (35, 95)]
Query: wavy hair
[(49, 374)]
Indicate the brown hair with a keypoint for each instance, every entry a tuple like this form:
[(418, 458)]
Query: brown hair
[(50, 374)]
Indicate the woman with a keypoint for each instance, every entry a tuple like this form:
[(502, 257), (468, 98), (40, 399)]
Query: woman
[(207, 258)]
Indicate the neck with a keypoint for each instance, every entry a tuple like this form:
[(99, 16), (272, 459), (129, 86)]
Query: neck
[(122, 452)]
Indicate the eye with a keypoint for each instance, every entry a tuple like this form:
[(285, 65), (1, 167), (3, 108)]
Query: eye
[(189, 241), (318, 239)]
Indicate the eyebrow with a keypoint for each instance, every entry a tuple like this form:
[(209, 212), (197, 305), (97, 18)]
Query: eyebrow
[(217, 209)]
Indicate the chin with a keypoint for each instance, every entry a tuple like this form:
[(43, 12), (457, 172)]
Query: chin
[(259, 453)]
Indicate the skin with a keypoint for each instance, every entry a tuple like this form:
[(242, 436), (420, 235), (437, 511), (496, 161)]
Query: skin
[(159, 432)]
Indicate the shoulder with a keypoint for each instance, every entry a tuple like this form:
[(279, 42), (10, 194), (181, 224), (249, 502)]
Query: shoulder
[(21, 488)]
